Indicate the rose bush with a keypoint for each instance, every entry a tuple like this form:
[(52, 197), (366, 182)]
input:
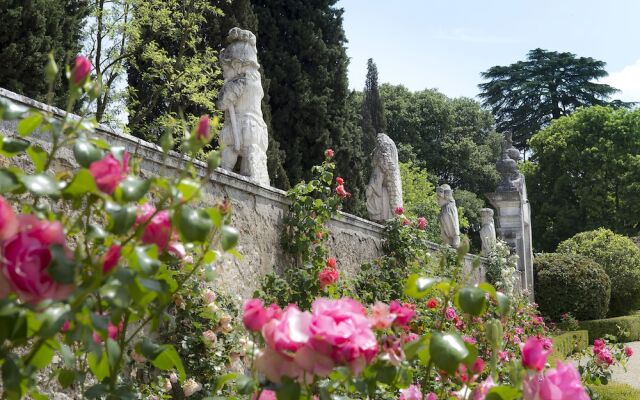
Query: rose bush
[(95, 258)]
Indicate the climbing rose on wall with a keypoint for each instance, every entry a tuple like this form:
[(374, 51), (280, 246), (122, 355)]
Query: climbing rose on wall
[(109, 172), (328, 276)]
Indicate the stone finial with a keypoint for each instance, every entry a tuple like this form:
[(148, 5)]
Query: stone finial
[(448, 217), (244, 135), (488, 231), (384, 191)]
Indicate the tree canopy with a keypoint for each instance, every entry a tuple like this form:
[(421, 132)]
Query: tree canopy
[(373, 121), (585, 174), (526, 95)]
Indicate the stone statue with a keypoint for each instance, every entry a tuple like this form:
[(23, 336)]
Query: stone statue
[(488, 231), (244, 134), (384, 191), (448, 217)]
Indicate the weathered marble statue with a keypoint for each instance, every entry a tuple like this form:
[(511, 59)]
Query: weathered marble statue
[(488, 231), (244, 134), (384, 191), (448, 217)]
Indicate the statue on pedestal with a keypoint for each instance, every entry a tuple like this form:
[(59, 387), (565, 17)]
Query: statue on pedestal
[(384, 191), (244, 134), (448, 217), (488, 231)]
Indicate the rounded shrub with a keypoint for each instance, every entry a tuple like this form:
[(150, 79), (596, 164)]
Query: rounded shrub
[(571, 283), (619, 257)]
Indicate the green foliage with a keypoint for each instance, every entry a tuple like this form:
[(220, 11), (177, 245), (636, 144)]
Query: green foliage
[(419, 197), (571, 283), (373, 121), (585, 175), (29, 31), (629, 326), (525, 96), (620, 259), (453, 138), (174, 72), (568, 343), (616, 391), (301, 46)]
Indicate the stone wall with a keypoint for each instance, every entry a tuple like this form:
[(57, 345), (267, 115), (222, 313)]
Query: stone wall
[(258, 210)]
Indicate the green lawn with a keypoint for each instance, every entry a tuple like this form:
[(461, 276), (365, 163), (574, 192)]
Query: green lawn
[(617, 391)]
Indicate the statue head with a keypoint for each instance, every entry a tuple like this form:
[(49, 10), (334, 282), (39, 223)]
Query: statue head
[(240, 53), (445, 194), (385, 151), (486, 216)]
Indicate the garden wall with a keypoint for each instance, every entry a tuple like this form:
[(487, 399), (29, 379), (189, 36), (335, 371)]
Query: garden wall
[(258, 211)]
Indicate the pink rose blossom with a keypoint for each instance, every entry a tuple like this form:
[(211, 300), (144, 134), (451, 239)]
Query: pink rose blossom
[(450, 313), (339, 181), (561, 383), (26, 257), (177, 250), (254, 315), (478, 366), (111, 258), (519, 330), (328, 153), (398, 210), (406, 222), (628, 351), (534, 355), (66, 326), (604, 357), (289, 332), (81, 68), (158, 230), (328, 276), (265, 395), (411, 393), (422, 223), (598, 345), (381, 316), (9, 223), (342, 192), (109, 172), (469, 339), (331, 262), (404, 312), (503, 356), (481, 391), (274, 365), (431, 396), (144, 213), (392, 351), (203, 132)]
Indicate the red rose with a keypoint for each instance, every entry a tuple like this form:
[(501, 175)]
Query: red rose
[(328, 153), (399, 210), (204, 128), (406, 222), (422, 223), (26, 257), (332, 263), (328, 276), (109, 172), (340, 190), (432, 303), (81, 69), (8, 221), (339, 181), (110, 259)]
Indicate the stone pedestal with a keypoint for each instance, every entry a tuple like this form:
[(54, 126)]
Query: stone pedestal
[(513, 225)]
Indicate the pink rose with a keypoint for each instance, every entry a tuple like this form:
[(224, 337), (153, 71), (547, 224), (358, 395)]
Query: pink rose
[(381, 316), (8, 221), (398, 210), (331, 262), (404, 312), (289, 332), (604, 357), (503, 356), (177, 250), (339, 181), (110, 259), (341, 191), (328, 153), (158, 230), (341, 330), (628, 351), (274, 365), (519, 330), (392, 351), (204, 129), (81, 68), (422, 223), (450, 313), (109, 172), (478, 366), (598, 345), (481, 391), (431, 396), (561, 383), (406, 222), (112, 332), (469, 339), (534, 355), (144, 213), (26, 257), (265, 395), (328, 276), (411, 393), (254, 315)]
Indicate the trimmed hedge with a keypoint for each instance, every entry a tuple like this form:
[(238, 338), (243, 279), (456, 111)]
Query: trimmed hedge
[(568, 343), (620, 259), (616, 391), (600, 327), (571, 283)]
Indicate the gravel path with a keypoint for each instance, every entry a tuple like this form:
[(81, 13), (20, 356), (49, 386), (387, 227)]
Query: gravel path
[(632, 376)]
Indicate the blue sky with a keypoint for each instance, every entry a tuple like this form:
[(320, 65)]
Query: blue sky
[(445, 44)]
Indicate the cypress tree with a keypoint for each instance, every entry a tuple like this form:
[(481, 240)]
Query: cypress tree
[(29, 30), (373, 121), (301, 46)]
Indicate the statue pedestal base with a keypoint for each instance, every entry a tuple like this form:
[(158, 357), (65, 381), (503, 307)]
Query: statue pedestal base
[(513, 225)]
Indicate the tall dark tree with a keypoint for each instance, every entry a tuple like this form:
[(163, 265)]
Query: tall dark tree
[(525, 96), (301, 46), (373, 121), (29, 30)]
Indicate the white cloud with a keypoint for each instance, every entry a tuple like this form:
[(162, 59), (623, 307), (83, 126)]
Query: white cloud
[(466, 35), (627, 80)]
